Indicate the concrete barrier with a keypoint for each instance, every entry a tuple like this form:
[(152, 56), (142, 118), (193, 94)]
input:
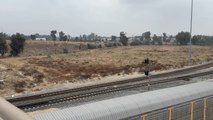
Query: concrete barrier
[(10, 112)]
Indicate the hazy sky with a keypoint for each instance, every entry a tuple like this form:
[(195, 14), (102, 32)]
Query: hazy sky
[(105, 17)]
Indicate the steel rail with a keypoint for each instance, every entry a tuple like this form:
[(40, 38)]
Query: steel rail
[(101, 91)]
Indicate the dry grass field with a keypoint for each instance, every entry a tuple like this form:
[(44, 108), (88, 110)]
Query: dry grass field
[(34, 73), (39, 48)]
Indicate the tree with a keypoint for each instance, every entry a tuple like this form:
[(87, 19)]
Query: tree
[(123, 39), (17, 44), (37, 35), (76, 38), (183, 38), (164, 37), (61, 35), (160, 40), (81, 38), (157, 39), (196, 39), (113, 38), (3, 44), (91, 36), (33, 37), (147, 37), (53, 34), (68, 37), (169, 38), (84, 37), (65, 38)]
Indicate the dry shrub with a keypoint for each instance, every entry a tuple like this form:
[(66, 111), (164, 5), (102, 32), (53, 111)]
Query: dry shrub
[(118, 44), (19, 90), (209, 58), (38, 77), (83, 47), (1, 86), (19, 86), (109, 44), (65, 50), (91, 46), (29, 71), (85, 75), (135, 43), (100, 46)]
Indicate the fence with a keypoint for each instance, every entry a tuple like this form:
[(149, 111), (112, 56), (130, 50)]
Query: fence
[(200, 109)]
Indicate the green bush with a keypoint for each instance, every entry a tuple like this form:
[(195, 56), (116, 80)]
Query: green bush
[(3, 44), (135, 43)]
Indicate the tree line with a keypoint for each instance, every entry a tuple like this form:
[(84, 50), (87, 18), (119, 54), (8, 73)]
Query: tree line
[(16, 44), (182, 38)]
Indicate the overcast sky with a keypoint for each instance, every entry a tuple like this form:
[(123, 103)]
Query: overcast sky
[(105, 17)]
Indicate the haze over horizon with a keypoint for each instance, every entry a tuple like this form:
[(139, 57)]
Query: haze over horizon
[(105, 17)]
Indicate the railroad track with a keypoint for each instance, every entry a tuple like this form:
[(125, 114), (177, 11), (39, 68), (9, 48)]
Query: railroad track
[(55, 97)]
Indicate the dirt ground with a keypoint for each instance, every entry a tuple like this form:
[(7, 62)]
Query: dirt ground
[(27, 74)]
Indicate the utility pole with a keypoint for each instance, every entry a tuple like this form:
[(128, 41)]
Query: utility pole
[(190, 43)]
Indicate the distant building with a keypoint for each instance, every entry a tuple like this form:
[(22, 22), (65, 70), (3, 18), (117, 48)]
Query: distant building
[(41, 39)]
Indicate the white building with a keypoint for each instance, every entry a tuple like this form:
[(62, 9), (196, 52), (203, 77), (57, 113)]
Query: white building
[(41, 39)]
